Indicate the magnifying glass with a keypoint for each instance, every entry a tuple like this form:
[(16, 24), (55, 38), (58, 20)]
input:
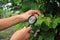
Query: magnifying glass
[(32, 20)]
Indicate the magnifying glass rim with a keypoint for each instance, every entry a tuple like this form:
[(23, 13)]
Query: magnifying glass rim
[(35, 19)]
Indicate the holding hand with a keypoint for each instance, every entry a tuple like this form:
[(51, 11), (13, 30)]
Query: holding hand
[(27, 14), (22, 34)]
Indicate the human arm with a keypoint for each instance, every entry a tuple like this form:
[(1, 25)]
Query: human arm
[(23, 34), (8, 22)]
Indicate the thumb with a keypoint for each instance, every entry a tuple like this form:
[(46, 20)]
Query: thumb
[(29, 29)]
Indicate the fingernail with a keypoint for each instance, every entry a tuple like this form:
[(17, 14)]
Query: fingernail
[(24, 27), (29, 27)]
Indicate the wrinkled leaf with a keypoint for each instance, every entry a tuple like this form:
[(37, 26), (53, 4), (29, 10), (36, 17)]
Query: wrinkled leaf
[(40, 20), (47, 21), (55, 22)]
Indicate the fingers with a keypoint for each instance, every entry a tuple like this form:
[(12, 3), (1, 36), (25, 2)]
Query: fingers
[(26, 33), (35, 12), (27, 37), (28, 29)]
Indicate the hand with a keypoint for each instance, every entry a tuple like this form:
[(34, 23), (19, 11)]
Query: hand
[(27, 14), (22, 34)]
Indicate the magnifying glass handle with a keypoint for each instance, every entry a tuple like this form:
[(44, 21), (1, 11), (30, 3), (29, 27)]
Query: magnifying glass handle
[(28, 25)]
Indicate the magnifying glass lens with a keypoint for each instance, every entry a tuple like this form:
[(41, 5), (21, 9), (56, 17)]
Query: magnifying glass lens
[(32, 20)]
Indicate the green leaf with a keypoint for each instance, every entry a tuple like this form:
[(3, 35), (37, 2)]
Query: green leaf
[(40, 20), (55, 22), (44, 27), (29, 5), (34, 6), (47, 21), (17, 1), (40, 38), (49, 35), (21, 25)]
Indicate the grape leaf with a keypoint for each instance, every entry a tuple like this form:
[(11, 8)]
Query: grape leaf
[(40, 20), (47, 21), (55, 22), (40, 37)]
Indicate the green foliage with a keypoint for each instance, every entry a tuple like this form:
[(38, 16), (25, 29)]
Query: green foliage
[(55, 22), (5, 14), (47, 23), (40, 20), (17, 1), (40, 38), (47, 26)]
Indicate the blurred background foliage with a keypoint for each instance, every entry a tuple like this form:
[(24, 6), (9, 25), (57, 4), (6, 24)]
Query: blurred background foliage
[(48, 23)]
